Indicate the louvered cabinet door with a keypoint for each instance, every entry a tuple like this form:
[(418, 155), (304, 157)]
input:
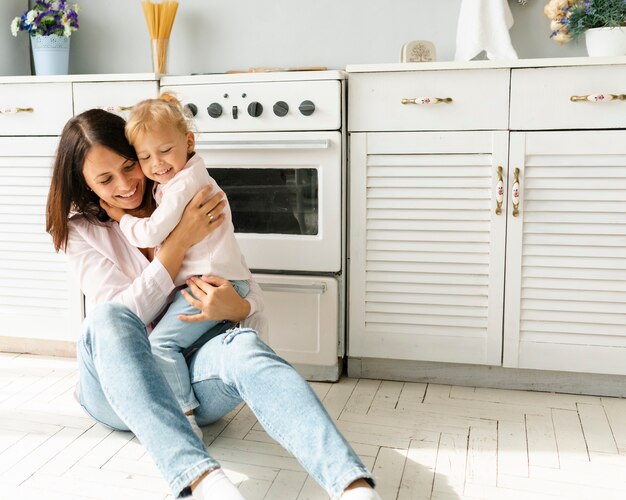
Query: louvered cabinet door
[(566, 253), (37, 300), (426, 246)]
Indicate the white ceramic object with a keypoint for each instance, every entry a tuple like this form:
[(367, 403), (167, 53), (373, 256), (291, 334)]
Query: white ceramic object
[(51, 54), (606, 41)]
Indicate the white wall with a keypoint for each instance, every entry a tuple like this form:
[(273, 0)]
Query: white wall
[(214, 36), (14, 52)]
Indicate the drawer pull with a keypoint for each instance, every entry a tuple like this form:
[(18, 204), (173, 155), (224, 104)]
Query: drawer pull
[(598, 97), (515, 195), (499, 192), (426, 100), (13, 111), (115, 109)]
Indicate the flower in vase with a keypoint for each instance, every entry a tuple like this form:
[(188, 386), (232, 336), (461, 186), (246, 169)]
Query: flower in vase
[(48, 17)]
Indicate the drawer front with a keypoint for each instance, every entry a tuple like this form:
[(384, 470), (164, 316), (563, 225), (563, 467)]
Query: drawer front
[(541, 98), (479, 100), (34, 109), (117, 97)]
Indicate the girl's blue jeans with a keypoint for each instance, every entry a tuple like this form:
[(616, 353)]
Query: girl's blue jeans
[(171, 337), (122, 387)]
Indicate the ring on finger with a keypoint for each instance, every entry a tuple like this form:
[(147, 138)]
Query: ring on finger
[(210, 217)]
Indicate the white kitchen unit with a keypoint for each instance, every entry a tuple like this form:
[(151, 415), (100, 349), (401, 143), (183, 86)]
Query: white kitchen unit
[(41, 306), (433, 217)]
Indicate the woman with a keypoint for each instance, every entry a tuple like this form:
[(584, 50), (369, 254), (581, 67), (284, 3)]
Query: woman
[(120, 384)]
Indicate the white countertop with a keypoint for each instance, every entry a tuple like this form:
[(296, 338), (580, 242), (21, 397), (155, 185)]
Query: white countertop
[(121, 77), (260, 76), (513, 63)]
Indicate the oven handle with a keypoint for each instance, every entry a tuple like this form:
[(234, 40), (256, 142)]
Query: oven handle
[(268, 144), (318, 288)]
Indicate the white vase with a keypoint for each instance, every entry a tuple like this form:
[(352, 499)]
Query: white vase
[(606, 41), (51, 54)]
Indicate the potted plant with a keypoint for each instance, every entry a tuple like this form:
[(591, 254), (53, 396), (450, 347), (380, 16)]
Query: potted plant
[(603, 22), (50, 24)]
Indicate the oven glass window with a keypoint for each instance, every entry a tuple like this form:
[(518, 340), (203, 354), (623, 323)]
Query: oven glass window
[(271, 200)]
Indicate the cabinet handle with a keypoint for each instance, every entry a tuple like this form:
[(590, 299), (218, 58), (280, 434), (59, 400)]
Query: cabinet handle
[(515, 197), (598, 97), (499, 192), (115, 109), (12, 111), (426, 100)]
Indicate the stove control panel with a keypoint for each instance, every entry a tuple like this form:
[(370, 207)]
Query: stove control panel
[(262, 106)]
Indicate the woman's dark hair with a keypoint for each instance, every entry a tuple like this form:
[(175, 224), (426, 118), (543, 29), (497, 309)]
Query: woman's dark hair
[(68, 190)]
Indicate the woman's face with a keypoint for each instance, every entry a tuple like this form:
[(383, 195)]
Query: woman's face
[(115, 179)]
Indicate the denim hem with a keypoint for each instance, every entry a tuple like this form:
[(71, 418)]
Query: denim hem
[(348, 478), (190, 406), (185, 479)]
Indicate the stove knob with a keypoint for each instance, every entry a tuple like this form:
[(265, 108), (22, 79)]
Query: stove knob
[(191, 109), (214, 110), (255, 109), (281, 108), (307, 108)]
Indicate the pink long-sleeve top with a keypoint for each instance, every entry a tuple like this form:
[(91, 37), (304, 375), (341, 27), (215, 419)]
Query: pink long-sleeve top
[(217, 254), (110, 269)]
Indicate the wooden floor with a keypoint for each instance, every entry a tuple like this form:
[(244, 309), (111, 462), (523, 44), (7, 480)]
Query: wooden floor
[(421, 441)]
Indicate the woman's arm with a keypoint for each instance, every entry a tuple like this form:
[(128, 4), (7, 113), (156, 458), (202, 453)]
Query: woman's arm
[(108, 268)]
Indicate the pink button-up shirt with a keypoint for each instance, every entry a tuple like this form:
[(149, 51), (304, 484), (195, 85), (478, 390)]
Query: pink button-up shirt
[(110, 269)]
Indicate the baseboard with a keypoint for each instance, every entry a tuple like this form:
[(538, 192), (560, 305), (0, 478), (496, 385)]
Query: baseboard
[(495, 377), (62, 348)]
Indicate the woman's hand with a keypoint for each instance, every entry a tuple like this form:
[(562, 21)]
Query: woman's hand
[(216, 299), (199, 219)]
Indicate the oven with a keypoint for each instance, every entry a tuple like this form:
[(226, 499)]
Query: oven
[(275, 143)]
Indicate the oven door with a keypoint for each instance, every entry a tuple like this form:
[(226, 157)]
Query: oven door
[(284, 191)]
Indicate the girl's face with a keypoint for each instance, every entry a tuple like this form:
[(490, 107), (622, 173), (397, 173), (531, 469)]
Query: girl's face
[(113, 178), (163, 152)]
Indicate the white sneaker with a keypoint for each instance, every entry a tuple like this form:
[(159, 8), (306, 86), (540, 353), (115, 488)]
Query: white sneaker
[(194, 426)]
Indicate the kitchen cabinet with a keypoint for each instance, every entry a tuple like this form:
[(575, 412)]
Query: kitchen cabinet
[(41, 306), (499, 241)]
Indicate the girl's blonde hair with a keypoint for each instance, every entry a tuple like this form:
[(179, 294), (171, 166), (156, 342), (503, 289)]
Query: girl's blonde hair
[(165, 110)]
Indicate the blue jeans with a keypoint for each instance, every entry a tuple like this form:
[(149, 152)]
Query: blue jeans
[(122, 387), (171, 337)]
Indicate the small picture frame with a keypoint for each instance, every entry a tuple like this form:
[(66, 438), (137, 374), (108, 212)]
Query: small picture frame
[(418, 51)]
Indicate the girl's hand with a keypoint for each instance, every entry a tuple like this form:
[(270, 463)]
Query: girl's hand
[(216, 299), (114, 213)]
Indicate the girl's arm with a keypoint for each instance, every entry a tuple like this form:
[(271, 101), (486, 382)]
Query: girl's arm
[(152, 231)]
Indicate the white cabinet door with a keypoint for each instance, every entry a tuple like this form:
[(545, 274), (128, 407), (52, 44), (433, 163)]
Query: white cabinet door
[(312, 301), (566, 253), (426, 271), (37, 300)]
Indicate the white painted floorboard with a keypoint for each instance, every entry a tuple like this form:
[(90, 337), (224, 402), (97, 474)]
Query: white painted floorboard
[(422, 441)]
